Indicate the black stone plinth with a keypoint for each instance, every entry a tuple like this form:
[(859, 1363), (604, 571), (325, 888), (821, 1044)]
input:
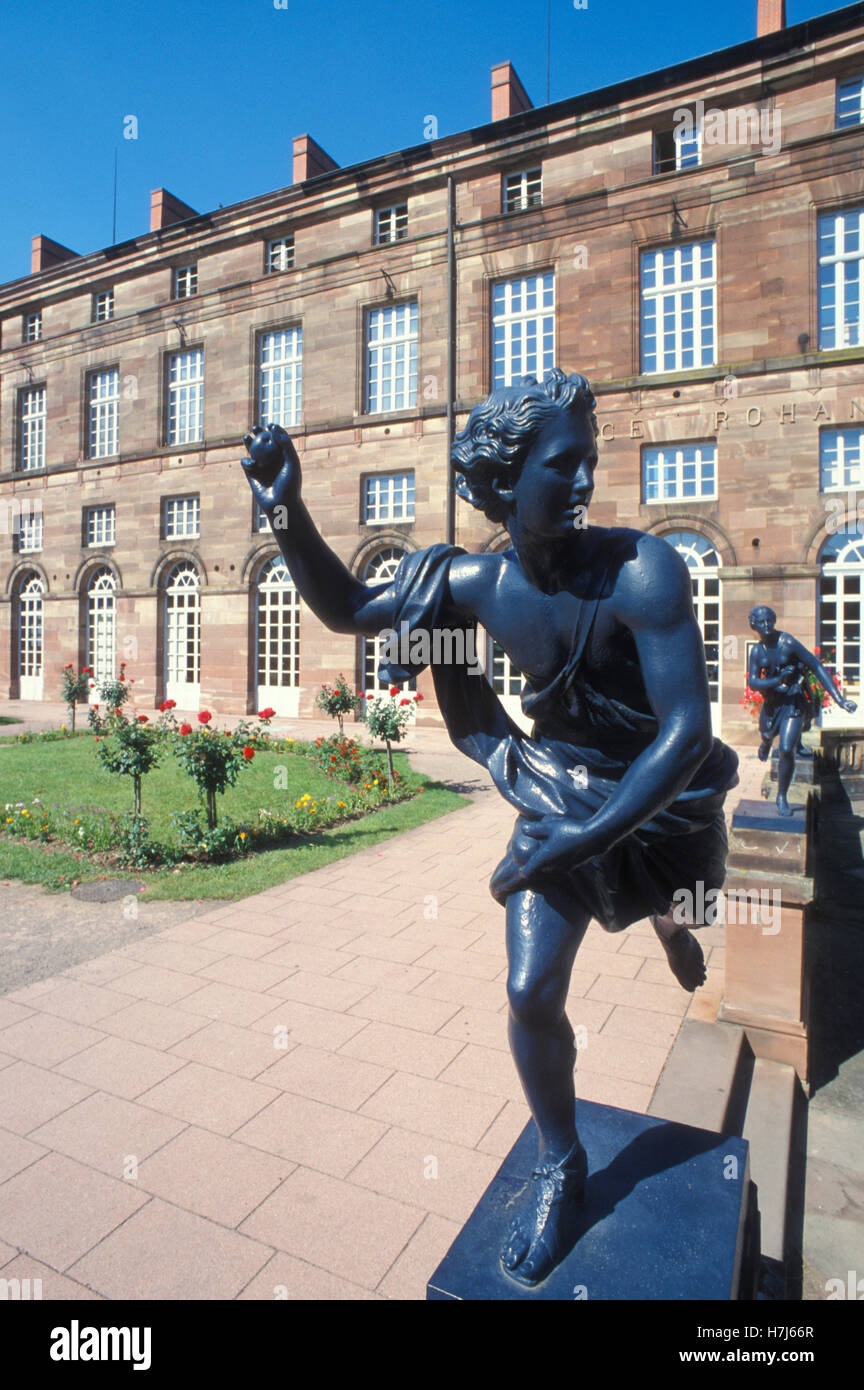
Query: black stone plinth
[(664, 1217), (763, 815)]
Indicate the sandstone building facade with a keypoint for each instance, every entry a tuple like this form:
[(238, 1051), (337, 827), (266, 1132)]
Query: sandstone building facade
[(692, 240)]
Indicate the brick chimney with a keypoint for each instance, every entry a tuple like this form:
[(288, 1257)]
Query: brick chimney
[(508, 95), (45, 253), (165, 210), (310, 159), (771, 16)]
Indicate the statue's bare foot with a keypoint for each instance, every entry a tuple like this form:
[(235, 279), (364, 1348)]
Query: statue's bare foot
[(546, 1227), (783, 806), (764, 749), (685, 958)]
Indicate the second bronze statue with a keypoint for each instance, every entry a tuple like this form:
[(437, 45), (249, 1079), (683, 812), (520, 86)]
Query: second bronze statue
[(600, 622)]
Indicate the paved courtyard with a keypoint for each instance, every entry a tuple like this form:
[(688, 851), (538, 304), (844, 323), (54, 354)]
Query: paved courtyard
[(302, 1094)]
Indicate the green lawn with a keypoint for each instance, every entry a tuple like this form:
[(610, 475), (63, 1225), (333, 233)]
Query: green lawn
[(68, 779)]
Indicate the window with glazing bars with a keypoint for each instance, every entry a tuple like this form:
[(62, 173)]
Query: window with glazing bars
[(103, 406), (185, 421)]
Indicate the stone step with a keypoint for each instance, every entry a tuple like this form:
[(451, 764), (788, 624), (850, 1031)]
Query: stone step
[(768, 1127), (706, 1078)]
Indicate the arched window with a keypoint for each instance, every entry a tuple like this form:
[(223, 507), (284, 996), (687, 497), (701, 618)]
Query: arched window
[(29, 631), (703, 562), (379, 569), (277, 625), (842, 560), (101, 631), (182, 610)]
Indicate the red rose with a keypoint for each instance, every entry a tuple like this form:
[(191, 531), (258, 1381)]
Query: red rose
[(85, 670), (204, 717), (370, 697), (266, 713), (142, 719), (404, 702), (92, 685), (118, 710), (185, 729), (68, 666), (248, 754), (96, 706), (394, 690), (166, 705), (418, 697)]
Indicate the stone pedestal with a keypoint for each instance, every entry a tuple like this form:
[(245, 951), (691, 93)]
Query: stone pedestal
[(767, 894), (669, 1214)]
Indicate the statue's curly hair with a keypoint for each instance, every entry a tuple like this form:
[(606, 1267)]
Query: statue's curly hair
[(760, 608), (501, 430)]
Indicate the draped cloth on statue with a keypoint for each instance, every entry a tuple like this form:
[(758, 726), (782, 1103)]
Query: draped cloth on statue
[(581, 746)]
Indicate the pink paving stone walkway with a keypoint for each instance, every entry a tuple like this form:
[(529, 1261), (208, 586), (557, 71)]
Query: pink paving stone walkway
[(303, 1094)]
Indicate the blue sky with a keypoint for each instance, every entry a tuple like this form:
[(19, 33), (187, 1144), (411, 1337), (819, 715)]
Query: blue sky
[(221, 87)]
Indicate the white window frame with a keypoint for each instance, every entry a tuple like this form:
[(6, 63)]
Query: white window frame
[(667, 472), (522, 313), (392, 334), (103, 306), (388, 497), (688, 151), (32, 417), (522, 189), (391, 224), (841, 279), (185, 397), (849, 103), (182, 517), (184, 281), (841, 458), (676, 292), (280, 376), (30, 533), (103, 413), (280, 254), (100, 525), (32, 327)]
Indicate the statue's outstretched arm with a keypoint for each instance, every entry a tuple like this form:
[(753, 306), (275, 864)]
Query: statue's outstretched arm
[(824, 677), (334, 594)]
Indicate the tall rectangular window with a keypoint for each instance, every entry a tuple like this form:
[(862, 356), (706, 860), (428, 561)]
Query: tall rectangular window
[(99, 525), (32, 331), (675, 472), (391, 224), (677, 149), (850, 103), (260, 522), (388, 497), (841, 459), (280, 376), (30, 533), (523, 190), (523, 327), (182, 517), (841, 278), (31, 423), (103, 407), (679, 297), (280, 254), (103, 306), (391, 358), (185, 420), (185, 281)]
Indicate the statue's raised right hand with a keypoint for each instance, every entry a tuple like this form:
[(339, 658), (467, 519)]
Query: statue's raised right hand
[(273, 468)]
